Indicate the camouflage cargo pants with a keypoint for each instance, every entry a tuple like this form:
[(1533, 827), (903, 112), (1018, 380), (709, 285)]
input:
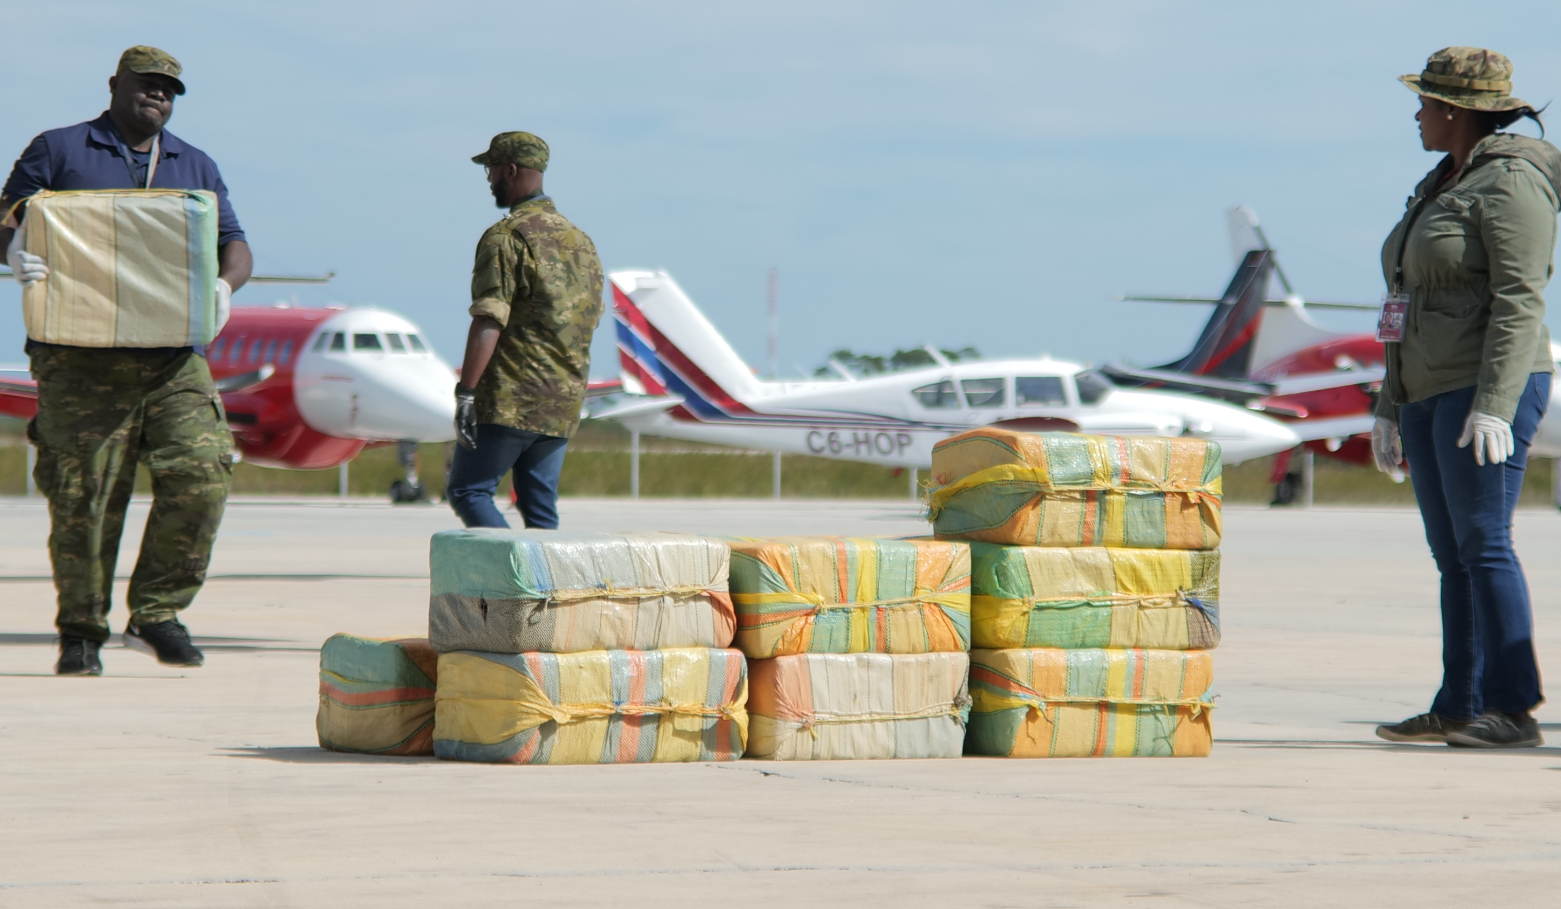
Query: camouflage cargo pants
[(100, 413)]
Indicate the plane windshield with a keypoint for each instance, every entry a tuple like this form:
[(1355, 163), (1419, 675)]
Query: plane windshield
[(321, 341), (417, 343), (338, 342), (367, 342), (983, 392), (1093, 386), (396, 344), (1039, 390), (938, 396)]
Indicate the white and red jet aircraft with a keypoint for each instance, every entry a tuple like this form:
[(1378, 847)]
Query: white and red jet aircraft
[(702, 391), (310, 388)]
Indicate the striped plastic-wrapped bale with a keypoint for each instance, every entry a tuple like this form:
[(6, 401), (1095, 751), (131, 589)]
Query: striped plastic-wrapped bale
[(513, 591), (1047, 702), (377, 695), (1068, 489), (849, 595), (858, 706), (127, 268), (1049, 596), (601, 707)]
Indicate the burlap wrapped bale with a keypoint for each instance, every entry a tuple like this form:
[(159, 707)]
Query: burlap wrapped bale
[(1069, 489), (377, 695), (850, 595), (513, 591)]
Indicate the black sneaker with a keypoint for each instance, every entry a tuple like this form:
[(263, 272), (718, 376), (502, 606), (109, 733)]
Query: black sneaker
[(1498, 730), (1427, 727), (168, 641), (78, 656)]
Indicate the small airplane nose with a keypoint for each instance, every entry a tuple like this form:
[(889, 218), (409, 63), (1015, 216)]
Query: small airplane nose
[(407, 399)]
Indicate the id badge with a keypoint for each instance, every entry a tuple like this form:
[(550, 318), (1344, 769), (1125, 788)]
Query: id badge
[(1390, 323)]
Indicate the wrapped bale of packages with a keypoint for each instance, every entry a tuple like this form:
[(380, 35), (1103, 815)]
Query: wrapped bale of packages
[(1069, 489), (127, 268), (1046, 702), (377, 695), (1047, 596), (513, 591), (858, 706), (601, 707), (848, 595)]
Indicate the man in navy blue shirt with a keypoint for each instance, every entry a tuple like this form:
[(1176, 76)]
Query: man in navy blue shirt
[(102, 411)]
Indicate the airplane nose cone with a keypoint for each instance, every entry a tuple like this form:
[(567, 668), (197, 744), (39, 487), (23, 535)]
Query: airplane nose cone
[(406, 399)]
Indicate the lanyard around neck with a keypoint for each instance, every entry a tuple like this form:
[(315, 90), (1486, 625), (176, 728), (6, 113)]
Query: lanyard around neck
[(151, 162)]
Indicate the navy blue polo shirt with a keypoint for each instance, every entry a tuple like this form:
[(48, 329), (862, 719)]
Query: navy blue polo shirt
[(87, 156)]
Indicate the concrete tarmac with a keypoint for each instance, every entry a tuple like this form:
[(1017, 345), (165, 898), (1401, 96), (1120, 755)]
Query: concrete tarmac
[(174, 788)]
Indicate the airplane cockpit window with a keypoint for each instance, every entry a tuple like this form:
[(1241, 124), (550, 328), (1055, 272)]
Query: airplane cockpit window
[(321, 341), (285, 354), (214, 353), (367, 342), (338, 342), (1092, 386), (396, 344), (983, 392), (938, 396), (417, 343), (1039, 390), (270, 356)]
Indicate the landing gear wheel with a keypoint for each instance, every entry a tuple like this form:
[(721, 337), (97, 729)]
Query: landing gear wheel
[(402, 492)]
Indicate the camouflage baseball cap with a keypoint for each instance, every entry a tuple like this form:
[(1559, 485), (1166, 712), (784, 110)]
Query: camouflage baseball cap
[(1470, 77), (143, 59), (515, 148)]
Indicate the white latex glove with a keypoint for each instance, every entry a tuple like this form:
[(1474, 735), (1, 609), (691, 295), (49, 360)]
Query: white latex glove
[(224, 303), (1492, 438), (1386, 446), (28, 268)]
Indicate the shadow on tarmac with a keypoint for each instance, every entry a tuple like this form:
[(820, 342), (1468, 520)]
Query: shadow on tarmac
[(314, 754)]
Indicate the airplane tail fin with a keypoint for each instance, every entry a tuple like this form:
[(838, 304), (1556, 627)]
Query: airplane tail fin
[(1224, 349), (667, 346)]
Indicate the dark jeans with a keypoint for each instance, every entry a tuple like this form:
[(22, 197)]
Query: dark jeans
[(536, 460), (1487, 626)]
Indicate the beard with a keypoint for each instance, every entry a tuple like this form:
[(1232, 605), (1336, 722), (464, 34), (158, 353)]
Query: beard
[(498, 195)]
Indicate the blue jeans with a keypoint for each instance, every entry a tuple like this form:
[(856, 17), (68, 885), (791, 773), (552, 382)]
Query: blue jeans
[(1488, 658), (536, 460)]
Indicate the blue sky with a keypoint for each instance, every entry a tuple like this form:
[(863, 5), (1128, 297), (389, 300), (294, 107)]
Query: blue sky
[(986, 174)]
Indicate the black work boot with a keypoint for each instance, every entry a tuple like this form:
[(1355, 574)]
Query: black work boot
[(1427, 727), (78, 656), (168, 641), (1498, 730)]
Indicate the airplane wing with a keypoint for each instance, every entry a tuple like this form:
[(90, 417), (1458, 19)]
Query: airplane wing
[(641, 406), (1332, 427), (601, 387), (1227, 387), (1320, 304)]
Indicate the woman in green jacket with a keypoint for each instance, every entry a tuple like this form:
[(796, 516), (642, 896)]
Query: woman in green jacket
[(1468, 379)]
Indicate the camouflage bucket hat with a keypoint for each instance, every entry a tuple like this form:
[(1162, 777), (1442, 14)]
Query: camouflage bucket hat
[(143, 59), (515, 148), (1469, 77)]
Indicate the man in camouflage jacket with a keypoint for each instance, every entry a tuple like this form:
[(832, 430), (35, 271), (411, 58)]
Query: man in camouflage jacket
[(536, 299)]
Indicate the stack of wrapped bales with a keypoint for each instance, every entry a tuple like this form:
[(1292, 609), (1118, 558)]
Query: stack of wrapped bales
[(858, 646), (1095, 589), (570, 648)]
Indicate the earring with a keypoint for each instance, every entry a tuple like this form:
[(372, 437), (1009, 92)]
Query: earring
[(1449, 116)]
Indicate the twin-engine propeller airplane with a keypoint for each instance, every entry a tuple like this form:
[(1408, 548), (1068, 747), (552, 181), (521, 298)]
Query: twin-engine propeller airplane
[(690, 384)]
